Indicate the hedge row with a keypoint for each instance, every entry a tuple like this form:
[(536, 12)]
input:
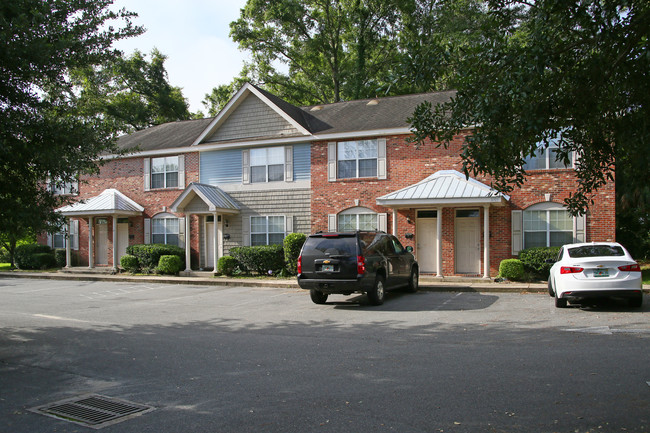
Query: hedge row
[(148, 256)]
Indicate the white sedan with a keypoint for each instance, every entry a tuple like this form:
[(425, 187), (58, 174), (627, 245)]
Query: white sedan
[(593, 270)]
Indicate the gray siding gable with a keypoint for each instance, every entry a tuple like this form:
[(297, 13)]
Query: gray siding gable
[(253, 119)]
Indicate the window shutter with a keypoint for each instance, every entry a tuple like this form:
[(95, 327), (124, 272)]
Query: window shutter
[(246, 231), (181, 232), (580, 228), (382, 222), (181, 171), (50, 241), (516, 220), (331, 162), (288, 224), (331, 222), (288, 164), (147, 230), (74, 234), (246, 166), (147, 174), (381, 158)]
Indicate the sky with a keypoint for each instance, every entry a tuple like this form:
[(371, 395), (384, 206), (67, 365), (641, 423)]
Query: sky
[(193, 34)]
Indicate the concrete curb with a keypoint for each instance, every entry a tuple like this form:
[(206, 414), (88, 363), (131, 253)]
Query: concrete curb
[(426, 283)]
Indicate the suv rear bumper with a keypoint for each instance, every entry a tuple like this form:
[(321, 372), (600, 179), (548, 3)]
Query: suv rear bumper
[(332, 286)]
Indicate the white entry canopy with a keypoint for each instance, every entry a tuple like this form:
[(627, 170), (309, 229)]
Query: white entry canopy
[(445, 187), (109, 202)]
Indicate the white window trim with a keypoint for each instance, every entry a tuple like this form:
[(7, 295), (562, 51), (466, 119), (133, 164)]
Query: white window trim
[(332, 161), (148, 173), (579, 225), (165, 217), (267, 233), (382, 218)]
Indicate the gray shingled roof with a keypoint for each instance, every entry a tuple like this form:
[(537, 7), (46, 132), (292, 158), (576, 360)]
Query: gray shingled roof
[(166, 136)]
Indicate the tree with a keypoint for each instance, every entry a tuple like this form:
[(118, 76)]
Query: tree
[(333, 49), (575, 68), (131, 92), (43, 134)]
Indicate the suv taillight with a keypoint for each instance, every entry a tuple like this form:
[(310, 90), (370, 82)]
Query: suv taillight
[(361, 265), (630, 268), (299, 267), (570, 270)]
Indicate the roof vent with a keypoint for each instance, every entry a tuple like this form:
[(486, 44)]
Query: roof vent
[(373, 102), (316, 108)]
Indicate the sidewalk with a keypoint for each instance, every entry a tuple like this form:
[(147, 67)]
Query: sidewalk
[(428, 283)]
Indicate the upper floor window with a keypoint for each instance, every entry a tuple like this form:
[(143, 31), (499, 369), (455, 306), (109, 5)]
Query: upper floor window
[(164, 172), (267, 230), (165, 229), (64, 188), (267, 164), (547, 228), (546, 159), (357, 159)]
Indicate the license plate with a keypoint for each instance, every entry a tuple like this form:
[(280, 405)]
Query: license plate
[(601, 273), (328, 268)]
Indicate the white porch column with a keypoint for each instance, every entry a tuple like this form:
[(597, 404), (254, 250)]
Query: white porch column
[(486, 241), (115, 252), (68, 253), (91, 241), (394, 222), (215, 244), (188, 238), (439, 241)]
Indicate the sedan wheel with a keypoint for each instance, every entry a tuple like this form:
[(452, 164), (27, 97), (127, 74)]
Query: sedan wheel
[(551, 293), (560, 302), (376, 294), (413, 281), (636, 302)]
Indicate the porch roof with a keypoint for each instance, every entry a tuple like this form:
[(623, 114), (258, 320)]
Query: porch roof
[(109, 202), (445, 187), (214, 197)]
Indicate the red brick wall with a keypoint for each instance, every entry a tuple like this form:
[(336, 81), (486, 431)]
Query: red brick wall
[(407, 165), (127, 176)]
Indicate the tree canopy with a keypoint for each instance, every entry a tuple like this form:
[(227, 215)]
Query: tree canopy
[(577, 69), (43, 134)]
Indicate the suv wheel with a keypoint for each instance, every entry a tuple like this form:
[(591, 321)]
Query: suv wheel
[(376, 294), (317, 296), (413, 281)]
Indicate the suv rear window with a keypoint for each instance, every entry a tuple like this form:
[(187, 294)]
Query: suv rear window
[(596, 251), (331, 245)]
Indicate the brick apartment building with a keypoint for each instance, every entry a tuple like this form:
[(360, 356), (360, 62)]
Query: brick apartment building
[(263, 168)]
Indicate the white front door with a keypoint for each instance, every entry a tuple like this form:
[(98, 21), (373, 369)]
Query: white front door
[(468, 242), (122, 240), (101, 241), (209, 244), (427, 248)]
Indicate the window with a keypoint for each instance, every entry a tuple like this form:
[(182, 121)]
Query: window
[(357, 159), (547, 228), (267, 164), (357, 219), (58, 240), (267, 230), (164, 172), (64, 188), (165, 230), (546, 159)]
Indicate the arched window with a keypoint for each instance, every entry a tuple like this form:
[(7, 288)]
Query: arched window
[(165, 229), (358, 218)]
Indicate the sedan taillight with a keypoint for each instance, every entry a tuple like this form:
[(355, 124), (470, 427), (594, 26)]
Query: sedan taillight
[(630, 268), (299, 267), (570, 270), (361, 265)]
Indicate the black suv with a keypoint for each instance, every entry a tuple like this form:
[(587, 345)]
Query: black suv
[(364, 261)]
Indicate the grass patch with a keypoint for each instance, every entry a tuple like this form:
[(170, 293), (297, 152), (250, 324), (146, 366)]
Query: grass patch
[(5, 267), (645, 272)]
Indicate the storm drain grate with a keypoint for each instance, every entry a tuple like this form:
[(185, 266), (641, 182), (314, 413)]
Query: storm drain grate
[(94, 411)]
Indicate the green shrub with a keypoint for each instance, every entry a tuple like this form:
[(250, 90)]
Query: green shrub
[(59, 255), (149, 254), (4, 255), (226, 265), (169, 265), (25, 256), (44, 260), (129, 263), (261, 259), (292, 245), (534, 260), (511, 269)]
